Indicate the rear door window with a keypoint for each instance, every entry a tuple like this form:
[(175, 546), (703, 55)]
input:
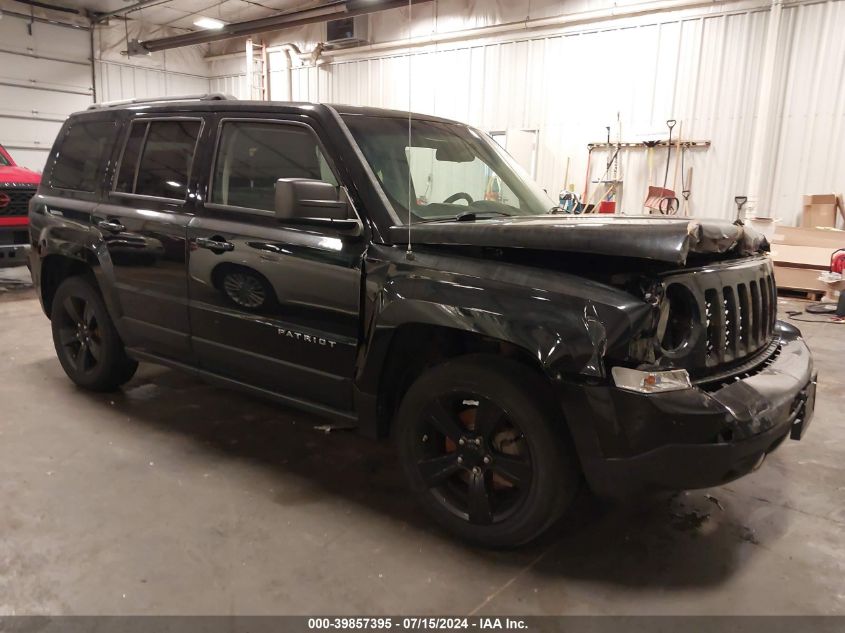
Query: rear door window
[(158, 157), (81, 156)]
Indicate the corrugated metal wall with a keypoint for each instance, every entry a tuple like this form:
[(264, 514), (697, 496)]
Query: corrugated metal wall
[(44, 76), (117, 81), (173, 72), (698, 66), (808, 154)]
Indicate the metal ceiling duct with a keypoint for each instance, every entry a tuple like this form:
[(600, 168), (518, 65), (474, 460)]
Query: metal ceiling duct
[(329, 11)]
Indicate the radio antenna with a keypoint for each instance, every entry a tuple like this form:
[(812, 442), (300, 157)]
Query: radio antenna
[(409, 254)]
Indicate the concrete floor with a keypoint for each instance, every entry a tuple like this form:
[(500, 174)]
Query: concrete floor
[(175, 497)]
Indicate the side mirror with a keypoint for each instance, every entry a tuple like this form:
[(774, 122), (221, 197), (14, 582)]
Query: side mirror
[(304, 200)]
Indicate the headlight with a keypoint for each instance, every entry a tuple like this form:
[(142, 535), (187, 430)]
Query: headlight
[(650, 381), (678, 316)]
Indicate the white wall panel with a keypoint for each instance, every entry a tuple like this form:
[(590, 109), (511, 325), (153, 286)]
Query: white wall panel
[(699, 65), (122, 81), (809, 154), (44, 76), (172, 72), (569, 87)]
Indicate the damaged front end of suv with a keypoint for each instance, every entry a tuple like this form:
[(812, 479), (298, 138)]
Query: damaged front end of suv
[(670, 365), (711, 384)]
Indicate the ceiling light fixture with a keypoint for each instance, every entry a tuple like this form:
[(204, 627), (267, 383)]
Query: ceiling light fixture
[(209, 23)]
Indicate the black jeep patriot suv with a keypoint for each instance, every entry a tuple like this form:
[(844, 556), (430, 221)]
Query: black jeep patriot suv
[(407, 278)]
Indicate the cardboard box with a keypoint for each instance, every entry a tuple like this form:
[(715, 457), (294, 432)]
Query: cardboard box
[(833, 239), (800, 254), (799, 278), (818, 215), (820, 210), (820, 198), (817, 257)]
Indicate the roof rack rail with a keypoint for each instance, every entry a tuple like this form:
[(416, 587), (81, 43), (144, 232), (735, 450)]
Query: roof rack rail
[(210, 96)]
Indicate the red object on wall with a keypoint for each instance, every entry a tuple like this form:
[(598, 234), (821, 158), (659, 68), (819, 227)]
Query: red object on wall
[(607, 206)]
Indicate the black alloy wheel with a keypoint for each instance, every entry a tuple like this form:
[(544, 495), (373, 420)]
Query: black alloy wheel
[(87, 344), (485, 449), (473, 457), (79, 334)]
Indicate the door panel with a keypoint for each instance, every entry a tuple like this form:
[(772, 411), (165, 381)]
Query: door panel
[(143, 224), (146, 249), (279, 310), (273, 305)]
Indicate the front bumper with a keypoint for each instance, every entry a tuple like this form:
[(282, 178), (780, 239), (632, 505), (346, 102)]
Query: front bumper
[(694, 438), (14, 241), (13, 255)]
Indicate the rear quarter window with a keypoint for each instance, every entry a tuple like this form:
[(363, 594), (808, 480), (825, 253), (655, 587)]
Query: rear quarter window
[(81, 154)]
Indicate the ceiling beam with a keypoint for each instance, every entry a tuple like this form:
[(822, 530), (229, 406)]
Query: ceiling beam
[(331, 10), (100, 17)]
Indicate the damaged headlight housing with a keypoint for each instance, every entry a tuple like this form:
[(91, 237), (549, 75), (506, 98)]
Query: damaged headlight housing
[(650, 381)]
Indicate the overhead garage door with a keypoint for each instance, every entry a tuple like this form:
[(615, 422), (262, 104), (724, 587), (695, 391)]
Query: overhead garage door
[(44, 76)]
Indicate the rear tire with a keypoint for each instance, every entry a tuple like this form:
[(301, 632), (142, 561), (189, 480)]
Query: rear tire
[(485, 449), (86, 341)]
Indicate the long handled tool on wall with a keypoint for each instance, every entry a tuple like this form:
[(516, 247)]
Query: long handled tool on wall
[(740, 203), (660, 198), (686, 182), (650, 145), (655, 194), (587, 177), (670, 204)]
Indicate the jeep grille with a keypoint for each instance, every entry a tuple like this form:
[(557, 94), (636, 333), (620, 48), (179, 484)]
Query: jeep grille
[(730, 314), (740, 318)]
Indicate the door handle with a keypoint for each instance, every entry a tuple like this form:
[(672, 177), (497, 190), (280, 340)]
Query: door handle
[(112, 226), (219, 245)]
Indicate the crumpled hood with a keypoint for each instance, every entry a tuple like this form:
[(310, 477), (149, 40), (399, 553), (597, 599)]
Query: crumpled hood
[(19, 175), (667, 239)]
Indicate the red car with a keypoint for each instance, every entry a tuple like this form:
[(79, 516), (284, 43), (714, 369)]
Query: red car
[(17, 186)]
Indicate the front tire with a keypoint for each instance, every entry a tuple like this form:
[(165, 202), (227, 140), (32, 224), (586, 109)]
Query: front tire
[(485, 450), (86, 341)]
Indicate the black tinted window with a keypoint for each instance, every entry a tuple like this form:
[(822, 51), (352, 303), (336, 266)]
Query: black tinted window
[(166, 149), (129, 162), (253, 156), (81, 155)]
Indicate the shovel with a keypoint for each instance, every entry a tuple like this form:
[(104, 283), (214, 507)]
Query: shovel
[(660, 198)]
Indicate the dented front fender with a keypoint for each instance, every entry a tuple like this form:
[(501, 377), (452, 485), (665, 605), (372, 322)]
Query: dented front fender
[(568, 323)]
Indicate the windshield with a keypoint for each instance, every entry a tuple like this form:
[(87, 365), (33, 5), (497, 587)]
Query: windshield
[(4, 162), (453, 170)]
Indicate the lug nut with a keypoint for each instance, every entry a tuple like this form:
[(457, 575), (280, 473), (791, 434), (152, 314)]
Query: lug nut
[(486, 459), (460, 459), (476, 470), (461, 442), (478, 441)]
